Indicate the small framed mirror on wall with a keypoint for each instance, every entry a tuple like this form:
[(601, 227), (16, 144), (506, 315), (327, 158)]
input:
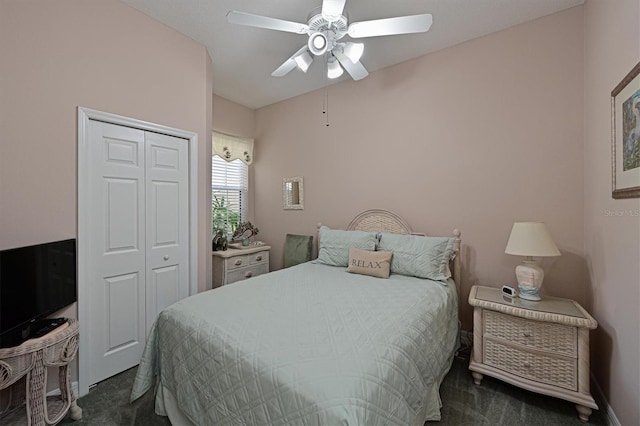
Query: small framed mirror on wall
[(292, 193)]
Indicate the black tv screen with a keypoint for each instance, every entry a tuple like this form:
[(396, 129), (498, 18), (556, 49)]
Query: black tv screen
[(35, 281)]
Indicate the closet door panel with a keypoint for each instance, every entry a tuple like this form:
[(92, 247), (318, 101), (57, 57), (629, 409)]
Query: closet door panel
[(167, 227), (117, 263)]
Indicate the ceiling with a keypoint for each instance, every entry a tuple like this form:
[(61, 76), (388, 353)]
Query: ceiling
[(244, 57)]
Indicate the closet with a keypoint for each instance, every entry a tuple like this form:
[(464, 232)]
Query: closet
[(135, 228)]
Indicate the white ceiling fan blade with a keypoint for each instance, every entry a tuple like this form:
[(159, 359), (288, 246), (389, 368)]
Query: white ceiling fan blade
[(391, 26), (357, 71), (288, 65), (258, 21), (285, 68), (332, 9)]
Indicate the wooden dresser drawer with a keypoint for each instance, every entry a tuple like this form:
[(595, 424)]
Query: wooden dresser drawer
[(544, 336), (236, 262), (244, 273), (261, 257), (554, 370)]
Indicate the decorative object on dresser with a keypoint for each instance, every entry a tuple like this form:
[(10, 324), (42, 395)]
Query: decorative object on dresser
[(23, 371), (244, 232), (235, 265), (219, 241), (530, 239), (539, 346)]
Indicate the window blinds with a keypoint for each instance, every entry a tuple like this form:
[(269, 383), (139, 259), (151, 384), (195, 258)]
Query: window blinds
[(229, 180), (229, 187)]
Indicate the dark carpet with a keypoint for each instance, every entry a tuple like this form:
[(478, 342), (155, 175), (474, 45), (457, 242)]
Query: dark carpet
[(463, 403)]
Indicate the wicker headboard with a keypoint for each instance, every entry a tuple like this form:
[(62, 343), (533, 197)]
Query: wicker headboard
[(377, 220)]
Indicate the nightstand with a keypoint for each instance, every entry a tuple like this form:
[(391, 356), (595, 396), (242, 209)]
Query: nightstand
[(539, 346), (23, 370), (234, 265)]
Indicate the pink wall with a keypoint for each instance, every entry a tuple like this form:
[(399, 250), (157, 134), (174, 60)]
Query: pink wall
[(232, 118), (611, 227), (103, 55), (473, 137)]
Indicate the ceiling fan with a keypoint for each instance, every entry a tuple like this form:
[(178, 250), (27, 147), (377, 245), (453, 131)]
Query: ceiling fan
[(325, 28)]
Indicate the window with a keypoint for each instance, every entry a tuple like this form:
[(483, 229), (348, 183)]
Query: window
[(229, 189)]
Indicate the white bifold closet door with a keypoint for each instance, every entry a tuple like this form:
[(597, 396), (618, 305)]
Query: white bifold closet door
[(139, 247)]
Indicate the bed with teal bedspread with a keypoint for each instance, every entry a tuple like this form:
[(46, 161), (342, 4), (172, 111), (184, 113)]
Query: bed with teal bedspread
[(307, 345)]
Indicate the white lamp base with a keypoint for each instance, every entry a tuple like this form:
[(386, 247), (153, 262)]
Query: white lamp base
[(530, 277)]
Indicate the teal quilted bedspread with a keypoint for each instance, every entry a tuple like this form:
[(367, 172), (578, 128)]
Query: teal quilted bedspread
[(308, 345)]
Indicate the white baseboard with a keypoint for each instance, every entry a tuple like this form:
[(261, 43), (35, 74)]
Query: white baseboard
[(56, 392), (610, 416)]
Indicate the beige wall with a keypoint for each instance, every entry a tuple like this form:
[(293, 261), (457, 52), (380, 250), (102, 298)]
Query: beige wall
[(476, 137), (611, 227), (104, 55)]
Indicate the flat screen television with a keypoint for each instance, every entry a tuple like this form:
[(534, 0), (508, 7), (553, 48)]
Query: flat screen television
[(35, 281)]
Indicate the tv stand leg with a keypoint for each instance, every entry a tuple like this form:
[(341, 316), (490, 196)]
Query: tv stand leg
[(76, 412)]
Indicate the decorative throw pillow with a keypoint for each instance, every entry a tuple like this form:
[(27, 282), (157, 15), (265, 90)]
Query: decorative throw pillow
[(334, 245), (374, 263), (422, 257)]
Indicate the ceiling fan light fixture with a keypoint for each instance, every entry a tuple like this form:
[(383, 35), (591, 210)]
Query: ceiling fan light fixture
[(353, 51), (318, 43), (334, 70), (303, 60)]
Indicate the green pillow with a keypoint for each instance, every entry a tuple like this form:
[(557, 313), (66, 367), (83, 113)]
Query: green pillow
[(335, 244), (417, 256), (297, 249)]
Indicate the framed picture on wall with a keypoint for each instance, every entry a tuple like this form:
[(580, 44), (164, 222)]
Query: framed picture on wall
[(625, 138)]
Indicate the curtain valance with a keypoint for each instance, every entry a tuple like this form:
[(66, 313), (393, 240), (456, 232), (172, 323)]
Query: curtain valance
[(232, 148)]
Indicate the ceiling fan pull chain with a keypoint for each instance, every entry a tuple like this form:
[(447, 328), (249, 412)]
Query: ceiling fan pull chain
[(325, 100), (327, 108)]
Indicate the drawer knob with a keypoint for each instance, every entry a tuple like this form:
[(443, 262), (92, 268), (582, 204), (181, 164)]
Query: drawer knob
[(166, 257), (258, 258), (238, 262), (248, 274)]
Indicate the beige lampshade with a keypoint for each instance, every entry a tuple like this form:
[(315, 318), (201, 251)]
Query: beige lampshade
[(531, 239)]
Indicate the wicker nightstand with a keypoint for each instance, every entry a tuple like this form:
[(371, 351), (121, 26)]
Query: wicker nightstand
[(234, 265), (23, 370), (539, 346)]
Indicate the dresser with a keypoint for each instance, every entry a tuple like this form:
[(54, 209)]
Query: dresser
[(539, 346), (234, 265)]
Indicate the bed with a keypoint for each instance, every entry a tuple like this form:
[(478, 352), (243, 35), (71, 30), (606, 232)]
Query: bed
[(314, 344)]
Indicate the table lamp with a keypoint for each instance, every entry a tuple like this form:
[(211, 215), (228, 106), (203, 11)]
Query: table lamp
[(530, 239)]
